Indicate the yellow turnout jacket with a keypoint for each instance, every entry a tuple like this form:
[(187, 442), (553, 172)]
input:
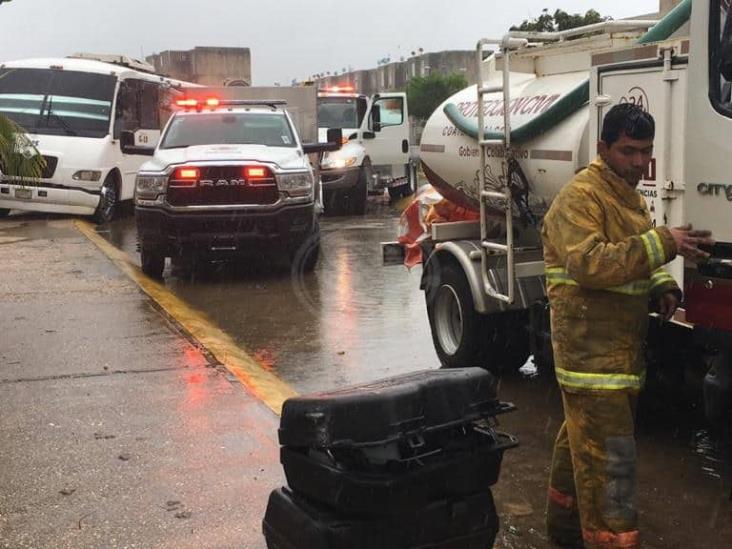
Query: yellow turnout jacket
[(603, 262)]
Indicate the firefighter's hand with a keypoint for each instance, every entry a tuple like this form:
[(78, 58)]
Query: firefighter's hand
[(667, 304), (688, 240)]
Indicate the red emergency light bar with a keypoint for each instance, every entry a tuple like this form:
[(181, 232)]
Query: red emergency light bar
[(213, 102), (340, 89)]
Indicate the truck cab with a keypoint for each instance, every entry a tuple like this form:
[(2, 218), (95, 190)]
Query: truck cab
[(228, 178), (375, 152)]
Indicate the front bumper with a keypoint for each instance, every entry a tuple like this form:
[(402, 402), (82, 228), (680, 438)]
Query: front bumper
[(48, 198), (224, 233), (339, 178)]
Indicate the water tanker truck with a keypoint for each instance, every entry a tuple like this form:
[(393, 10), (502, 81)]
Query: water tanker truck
[(506, 147)]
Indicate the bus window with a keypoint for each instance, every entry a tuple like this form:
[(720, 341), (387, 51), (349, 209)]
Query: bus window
[(149, 108), (127, 115)]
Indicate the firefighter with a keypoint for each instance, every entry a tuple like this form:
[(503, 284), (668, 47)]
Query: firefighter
[(603, 267)]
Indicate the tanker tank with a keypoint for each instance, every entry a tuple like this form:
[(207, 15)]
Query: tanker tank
[(451, 157)]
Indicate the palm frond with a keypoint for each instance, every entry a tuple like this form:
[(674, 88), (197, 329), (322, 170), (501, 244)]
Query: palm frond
[(19, 159)]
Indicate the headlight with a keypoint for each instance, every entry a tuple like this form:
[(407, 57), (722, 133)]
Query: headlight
[(148, 187), (295, 184), (335, 163), (87, 175)]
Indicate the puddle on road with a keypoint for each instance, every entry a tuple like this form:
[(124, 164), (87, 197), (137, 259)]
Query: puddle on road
[(353, 320)]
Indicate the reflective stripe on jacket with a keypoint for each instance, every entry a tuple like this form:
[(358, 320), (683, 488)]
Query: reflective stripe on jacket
[(603, 261)]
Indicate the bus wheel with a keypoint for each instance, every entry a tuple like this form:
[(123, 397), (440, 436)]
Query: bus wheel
[(108, 201)]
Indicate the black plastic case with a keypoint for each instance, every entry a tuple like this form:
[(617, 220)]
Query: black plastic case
[(377, 413), (291, 522), (454, 464)]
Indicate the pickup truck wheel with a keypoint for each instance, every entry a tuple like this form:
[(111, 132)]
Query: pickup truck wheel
[(4, 212), (153, 263), (311, 259), (304, 257), (459, 332), (108, 201)]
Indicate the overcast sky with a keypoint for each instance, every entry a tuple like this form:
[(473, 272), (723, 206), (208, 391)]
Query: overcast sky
[(288, 38)]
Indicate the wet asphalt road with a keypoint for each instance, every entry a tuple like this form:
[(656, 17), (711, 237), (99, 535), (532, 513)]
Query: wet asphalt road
[(353, 320)]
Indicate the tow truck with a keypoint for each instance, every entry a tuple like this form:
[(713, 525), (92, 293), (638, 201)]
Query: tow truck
[(229, 177)]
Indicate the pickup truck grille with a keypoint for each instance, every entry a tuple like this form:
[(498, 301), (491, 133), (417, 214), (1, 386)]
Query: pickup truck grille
[(221, 185)]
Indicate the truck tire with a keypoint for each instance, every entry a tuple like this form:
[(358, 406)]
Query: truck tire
[(360, 193), (153, 263), (4, 212), (304, 257), (458, 330), (108, 201)]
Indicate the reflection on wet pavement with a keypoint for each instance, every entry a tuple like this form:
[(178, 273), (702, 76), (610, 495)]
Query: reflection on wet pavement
[(353, 320)]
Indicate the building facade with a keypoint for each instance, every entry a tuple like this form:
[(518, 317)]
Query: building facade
[(206, 66)]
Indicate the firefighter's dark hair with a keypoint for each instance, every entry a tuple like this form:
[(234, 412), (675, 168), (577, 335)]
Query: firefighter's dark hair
[(629, 120)]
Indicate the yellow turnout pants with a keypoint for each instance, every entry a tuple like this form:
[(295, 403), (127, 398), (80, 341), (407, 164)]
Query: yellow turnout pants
[(591, 497)]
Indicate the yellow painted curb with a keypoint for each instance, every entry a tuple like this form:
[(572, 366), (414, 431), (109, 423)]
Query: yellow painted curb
[(263, 384)]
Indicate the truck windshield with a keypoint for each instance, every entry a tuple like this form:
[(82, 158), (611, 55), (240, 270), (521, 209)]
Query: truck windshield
[(229, 128), (341, 112), (57, 102)]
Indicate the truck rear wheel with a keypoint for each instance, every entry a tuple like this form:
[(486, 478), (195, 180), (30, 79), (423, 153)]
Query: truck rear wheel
[(464, 337), (153, 263), (4, 212), (457, 329)]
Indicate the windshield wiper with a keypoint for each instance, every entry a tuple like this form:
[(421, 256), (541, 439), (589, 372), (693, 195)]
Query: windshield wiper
[(65, 125)]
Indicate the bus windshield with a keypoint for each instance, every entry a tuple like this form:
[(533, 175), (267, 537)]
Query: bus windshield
[(57, 102)]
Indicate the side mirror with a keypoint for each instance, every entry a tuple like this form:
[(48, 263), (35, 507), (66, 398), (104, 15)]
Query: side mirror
[(127, 139), (127, 144), (376, 118), (335, 140)]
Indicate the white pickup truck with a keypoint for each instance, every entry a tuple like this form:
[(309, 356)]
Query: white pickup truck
[(229, 177)]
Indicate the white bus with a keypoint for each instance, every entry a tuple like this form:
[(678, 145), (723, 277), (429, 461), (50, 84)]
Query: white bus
[(93, 118)]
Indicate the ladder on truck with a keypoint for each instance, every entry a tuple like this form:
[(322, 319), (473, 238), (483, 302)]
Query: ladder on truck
[(490, 247)]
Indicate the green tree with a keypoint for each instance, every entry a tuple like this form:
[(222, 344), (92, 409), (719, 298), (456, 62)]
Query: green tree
[(559, 21), (18, 156), (425, 94)]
